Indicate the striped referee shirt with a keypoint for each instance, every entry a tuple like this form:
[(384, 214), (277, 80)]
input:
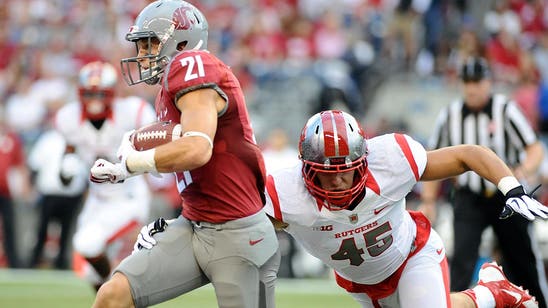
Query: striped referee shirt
[(500, 126)]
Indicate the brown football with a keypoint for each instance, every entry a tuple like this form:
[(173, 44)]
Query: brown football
[(155, 134)]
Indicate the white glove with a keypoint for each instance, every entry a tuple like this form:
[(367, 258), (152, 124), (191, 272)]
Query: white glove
[(126, 147), (145, 239), (517, 201), (104, 171)]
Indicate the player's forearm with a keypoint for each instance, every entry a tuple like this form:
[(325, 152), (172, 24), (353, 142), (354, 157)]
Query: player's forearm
[(455, 160), (182, 155), (486, 163)]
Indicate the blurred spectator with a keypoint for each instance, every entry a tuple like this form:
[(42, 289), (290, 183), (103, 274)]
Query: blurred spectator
[(278, 153), (33, 103), (503, 49), (330, 37), (540, 55), (337, 87), (25, 112), (533, 19), (467, 45), (14, 184), (58, 199), (526, 93), (403, 29)]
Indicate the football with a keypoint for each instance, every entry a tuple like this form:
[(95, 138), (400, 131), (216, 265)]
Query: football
[(155, 134)]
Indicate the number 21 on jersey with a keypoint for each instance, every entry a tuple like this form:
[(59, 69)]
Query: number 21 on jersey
[(194, 67)]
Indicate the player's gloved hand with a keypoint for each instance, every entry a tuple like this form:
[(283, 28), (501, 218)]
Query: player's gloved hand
[(518, 201), (142, 162), (104, 171), (145, 239), (126, 146)]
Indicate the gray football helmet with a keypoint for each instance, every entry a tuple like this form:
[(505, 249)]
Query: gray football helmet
[(332, 142), (176, 24)]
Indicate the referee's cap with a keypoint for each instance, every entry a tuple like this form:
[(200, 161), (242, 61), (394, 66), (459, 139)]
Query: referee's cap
[(474, 69)]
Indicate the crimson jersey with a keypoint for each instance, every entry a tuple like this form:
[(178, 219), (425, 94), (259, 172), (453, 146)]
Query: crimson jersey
[(231, 184)]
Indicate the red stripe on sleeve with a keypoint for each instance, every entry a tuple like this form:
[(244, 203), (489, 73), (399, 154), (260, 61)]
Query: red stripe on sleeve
[(404, 145), (271, 190)]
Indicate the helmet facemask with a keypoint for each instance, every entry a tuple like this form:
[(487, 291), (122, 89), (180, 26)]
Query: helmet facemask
[(96, 103), (156, 62), (96, 90), (339, 199)]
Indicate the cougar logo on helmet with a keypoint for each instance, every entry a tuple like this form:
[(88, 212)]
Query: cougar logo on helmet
[(181, 20)]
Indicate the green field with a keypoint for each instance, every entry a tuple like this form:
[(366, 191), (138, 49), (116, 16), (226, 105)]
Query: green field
[(62, 289)]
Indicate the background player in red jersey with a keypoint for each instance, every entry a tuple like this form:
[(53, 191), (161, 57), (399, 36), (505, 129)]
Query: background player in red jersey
[(223, 236)]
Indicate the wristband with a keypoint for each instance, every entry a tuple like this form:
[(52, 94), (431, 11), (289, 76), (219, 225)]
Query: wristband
[(507, 183), (141, 161)]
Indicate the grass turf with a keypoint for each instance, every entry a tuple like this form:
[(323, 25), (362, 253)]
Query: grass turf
[(62, 289)]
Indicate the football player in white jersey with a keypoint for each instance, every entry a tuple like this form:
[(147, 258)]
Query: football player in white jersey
[(93, 127), (346, 205)]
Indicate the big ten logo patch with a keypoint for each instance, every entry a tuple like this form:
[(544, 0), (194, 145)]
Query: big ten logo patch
[(323, 228)]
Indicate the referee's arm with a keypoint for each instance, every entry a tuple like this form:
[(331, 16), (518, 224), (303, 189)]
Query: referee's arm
[(534, 154), (522, 136)]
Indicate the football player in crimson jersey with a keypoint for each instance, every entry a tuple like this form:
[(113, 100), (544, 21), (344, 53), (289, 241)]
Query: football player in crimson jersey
[(346, 205), (92, 128), (223, 235)]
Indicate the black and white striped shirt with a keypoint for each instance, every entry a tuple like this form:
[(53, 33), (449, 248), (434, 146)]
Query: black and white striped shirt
[(500, 126)]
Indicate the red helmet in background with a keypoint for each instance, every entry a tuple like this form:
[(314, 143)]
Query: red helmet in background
[(332, 142), (96, 89)]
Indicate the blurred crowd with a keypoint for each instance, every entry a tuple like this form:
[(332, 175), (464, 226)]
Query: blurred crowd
[(347, 47)]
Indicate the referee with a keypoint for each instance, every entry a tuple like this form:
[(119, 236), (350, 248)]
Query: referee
[(491, 120)]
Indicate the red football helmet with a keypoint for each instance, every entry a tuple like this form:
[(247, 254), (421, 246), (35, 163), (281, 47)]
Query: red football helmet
[(332, 142), (96, 83)]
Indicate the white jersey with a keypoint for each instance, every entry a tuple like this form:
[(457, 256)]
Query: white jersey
[(368, 244), (91, 143)]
